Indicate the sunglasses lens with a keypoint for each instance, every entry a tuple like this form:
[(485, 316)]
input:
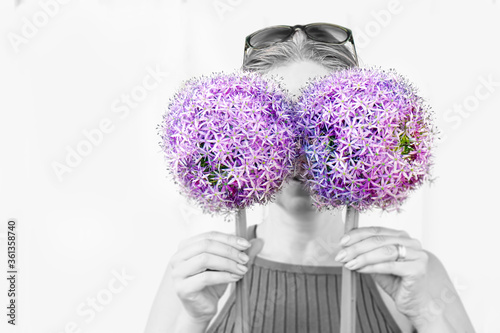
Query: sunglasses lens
[(270, 36), (327, 33)]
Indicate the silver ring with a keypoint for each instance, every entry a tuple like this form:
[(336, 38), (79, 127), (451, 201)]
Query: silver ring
[(401, 252)]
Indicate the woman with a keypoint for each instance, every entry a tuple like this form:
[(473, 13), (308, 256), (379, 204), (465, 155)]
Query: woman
[(295, 256)]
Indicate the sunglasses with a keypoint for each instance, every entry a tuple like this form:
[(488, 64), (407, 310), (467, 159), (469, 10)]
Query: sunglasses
[(321, 32)]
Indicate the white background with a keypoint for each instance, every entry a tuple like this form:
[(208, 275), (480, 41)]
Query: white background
[(117, 212)]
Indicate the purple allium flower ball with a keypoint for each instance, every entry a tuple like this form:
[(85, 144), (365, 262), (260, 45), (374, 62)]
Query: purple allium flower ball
[(367, 139), (230, 140)]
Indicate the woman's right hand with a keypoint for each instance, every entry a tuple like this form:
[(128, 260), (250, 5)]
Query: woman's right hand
[(203, 266)]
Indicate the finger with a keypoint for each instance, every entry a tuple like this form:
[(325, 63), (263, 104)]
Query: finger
[(361, 233), (204, 261), (235, 241), (372, 243), (209, 246), (399, 268), (199, 281), (382, 254)]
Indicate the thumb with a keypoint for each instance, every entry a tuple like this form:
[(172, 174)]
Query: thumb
[(255, 248)]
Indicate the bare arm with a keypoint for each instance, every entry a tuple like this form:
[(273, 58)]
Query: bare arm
[(418, 284), (166, 307), (446, 312), (196, 277)]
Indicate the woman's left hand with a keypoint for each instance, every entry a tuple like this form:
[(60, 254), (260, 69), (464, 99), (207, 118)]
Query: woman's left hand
[(375, 250)]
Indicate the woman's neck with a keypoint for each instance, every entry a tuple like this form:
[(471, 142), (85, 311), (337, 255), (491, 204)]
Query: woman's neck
[(308, 239)]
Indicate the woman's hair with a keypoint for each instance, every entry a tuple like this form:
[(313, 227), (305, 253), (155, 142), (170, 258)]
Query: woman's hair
[(298, 48)]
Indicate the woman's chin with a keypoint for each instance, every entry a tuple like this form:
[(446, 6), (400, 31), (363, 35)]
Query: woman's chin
[(295, 199), (300, 204)]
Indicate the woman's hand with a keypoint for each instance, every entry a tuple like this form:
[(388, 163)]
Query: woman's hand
[(375, 250), (202, 268)]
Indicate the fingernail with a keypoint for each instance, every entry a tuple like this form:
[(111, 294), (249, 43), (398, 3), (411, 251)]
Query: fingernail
[(345, 239), (243, 242), (243, 256), (351, 264), (235, 276), (242, 268), (341, 255)]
